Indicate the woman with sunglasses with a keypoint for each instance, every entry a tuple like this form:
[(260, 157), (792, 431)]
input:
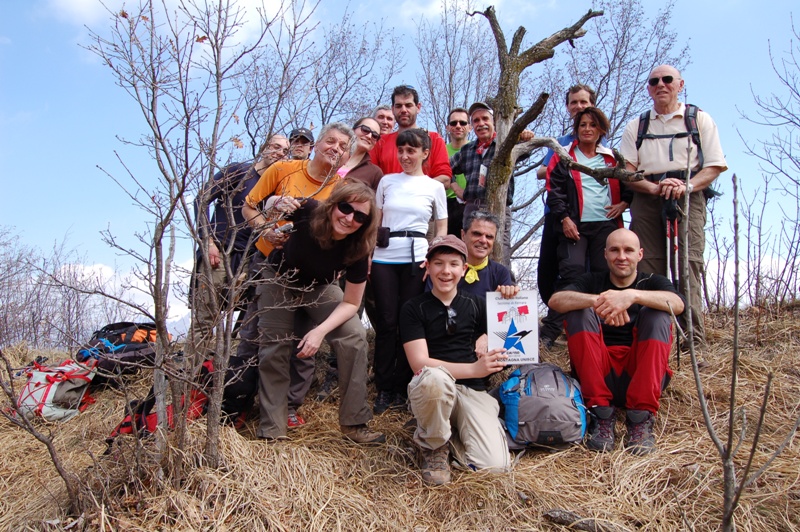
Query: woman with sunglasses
[(360, 165), (406, 203), (584, 210), (328, 237)]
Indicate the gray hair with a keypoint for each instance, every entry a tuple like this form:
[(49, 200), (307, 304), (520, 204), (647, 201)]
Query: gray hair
[(341, 127), (478, 216), (384, 107)]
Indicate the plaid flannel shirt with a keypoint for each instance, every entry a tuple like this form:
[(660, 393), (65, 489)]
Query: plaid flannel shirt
[(468, 162)]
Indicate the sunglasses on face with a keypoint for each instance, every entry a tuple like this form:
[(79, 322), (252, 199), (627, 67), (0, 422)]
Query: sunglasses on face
[(346, 209), (666, 79), (366, 129), (462, 123), (451, 321)]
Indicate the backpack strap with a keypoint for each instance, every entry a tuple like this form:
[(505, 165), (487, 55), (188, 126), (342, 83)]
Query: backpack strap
[(644, 125), (690, 118)]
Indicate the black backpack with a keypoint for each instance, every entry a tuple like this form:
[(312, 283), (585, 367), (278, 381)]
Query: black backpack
[(121, 349), (690, 119)]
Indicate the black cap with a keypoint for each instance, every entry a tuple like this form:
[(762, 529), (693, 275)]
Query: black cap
[(302, 132)]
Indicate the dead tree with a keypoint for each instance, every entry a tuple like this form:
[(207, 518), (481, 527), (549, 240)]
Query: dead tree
[(508, 121)]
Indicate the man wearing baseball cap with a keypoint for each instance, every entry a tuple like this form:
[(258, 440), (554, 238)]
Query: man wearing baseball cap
[(474, 160), (301, 140), (444, 335)]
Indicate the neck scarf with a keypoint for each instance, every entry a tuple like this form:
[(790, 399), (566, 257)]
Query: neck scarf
[(483, 146), (472, 271)]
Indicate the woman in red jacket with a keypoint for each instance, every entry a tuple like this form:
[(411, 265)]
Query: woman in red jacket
[(585, 209)]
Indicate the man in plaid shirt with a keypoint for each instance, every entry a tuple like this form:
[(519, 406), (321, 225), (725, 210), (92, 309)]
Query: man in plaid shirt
[(473, 160)]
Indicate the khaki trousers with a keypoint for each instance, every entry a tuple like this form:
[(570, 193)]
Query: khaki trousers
[(441, 406), (277, 303), (204, 319), (648, 223)]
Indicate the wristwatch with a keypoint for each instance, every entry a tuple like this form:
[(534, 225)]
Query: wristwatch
[(689, 188)]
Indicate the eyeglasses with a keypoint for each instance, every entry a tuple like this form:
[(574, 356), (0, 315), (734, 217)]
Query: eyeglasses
[(358, 216), (666, 79), (462, 123), (278, 148), (451, 321), (366, 129)]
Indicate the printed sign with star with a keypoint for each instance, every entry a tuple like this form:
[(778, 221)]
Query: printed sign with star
[(513, 324)]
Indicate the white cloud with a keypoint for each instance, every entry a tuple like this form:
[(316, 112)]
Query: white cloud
[(81, 12)]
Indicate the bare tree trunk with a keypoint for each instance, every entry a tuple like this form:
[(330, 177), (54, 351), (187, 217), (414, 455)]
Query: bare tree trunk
[(504, 104)]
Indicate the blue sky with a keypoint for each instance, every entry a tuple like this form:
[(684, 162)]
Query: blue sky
[(61, 113)]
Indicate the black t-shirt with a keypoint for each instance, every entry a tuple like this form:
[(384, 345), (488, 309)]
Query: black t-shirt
[(425, 317), (599, 282), (313, 264)]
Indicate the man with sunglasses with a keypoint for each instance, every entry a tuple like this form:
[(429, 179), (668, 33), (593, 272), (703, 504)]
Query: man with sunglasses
[(662, 157), (458, 128), (226, 192), (406, 106), (440, 330)]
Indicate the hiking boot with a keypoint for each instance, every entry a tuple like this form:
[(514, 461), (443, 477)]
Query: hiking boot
[(400, 402), (435, 468), (295, 421), (640, 439), (547, 342), (362, 434), (328, 385), (382, 402), (601, 428)]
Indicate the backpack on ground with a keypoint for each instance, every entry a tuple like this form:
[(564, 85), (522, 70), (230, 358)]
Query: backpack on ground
[(120, 349), (142, 420), (56, 393), (541, 406)]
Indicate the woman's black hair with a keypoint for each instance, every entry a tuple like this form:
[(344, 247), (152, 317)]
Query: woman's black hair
[(415, 137)]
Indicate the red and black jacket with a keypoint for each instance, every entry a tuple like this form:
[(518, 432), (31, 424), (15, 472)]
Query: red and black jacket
[(565, 187)]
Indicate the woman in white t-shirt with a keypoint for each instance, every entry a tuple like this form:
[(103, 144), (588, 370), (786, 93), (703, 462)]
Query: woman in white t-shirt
[(406, 202)]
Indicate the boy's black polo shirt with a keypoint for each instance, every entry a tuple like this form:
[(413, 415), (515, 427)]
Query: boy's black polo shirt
[(425, 317)]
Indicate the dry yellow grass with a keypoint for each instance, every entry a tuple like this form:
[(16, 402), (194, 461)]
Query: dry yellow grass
[(317, 481)]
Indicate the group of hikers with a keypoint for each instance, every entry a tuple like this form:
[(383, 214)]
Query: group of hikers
[(389, 217)]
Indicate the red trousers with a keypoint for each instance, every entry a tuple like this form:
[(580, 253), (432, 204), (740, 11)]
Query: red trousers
[(630, 377)]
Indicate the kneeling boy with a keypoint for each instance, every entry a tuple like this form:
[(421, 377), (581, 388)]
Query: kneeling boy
[(440, 330)]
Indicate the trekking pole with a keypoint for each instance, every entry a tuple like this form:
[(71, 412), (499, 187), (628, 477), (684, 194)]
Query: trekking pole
[(684, 265)]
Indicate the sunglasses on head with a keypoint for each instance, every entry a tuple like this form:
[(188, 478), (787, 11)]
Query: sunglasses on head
[(358, 216), (462, 123), (366, 129), (666, 79), (451, 321)]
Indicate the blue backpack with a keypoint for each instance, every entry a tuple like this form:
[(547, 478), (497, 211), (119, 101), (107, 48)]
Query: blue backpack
[(542, 406)]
